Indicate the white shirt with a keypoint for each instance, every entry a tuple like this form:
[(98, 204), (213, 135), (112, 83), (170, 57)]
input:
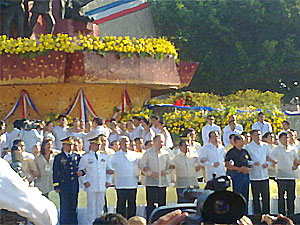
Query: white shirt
[(3, 142), (30, 138), (59, 134), (212, 154), (259, 153), (92, 134), (148, 135), (207, 129), (227, 132), (262, 127), (13, 136), (124, 164), (95, 171), (136, 133), (185, 165), (168, 138), (157, 161), (155, 129), (285, 160), (28, 202), (196, 147)]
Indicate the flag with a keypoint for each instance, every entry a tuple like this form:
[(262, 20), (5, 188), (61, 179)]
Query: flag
[(115, 10), (24, 99), (126, 102), (85, 106)]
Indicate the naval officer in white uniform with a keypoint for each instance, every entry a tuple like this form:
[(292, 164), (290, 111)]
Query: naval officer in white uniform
[(97, 175)]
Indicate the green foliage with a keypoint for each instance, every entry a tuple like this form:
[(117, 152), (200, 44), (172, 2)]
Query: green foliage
[(240, 44), (243, 104), (240, 99)]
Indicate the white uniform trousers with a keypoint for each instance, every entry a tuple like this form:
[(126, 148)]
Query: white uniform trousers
[(95, 204)]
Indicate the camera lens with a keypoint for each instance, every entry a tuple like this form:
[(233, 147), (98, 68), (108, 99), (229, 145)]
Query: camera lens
[(221, 207)]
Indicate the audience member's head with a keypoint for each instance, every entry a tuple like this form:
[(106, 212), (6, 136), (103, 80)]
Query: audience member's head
[(137, 220), (148, 144), (111, 219), (115, 145)]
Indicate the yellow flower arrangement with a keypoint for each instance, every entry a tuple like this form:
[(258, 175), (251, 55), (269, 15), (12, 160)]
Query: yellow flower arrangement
[(156, 47), (177, 121)]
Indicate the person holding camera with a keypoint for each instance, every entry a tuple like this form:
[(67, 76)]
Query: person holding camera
[(22, 161), (3, 137), (238, 162), (156, 163), (30, 136)]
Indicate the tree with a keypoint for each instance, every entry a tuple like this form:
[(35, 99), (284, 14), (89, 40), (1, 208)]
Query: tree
[(240, 44)]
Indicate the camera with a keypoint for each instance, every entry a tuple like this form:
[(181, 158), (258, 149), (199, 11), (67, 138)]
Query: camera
[(16, 164), (31, 124), (214, 204)]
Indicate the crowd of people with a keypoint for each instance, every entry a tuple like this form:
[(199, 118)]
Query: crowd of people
[(123, 155)]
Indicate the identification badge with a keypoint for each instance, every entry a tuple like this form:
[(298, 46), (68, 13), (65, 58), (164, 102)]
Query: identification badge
[(90, 161), (102, 160), (48, 168)]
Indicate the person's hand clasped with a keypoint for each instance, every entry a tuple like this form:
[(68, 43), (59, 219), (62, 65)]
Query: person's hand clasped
[(172, 218), (87, 184)]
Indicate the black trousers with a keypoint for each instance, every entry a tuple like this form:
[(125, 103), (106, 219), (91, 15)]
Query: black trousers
[(287, 186), (68, 208), (154, 195), (260, 188), (129, 196)]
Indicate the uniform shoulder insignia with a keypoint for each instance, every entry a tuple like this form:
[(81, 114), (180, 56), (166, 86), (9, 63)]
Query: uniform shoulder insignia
[(55, 153)]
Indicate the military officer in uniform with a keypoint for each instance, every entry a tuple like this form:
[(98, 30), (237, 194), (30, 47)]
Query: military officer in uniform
[(98, 175), (65, 181)]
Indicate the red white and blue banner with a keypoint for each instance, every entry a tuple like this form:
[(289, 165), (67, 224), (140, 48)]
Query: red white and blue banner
[(126, 101), (210, 109), (85, 106), (116, 9), (23, 100)]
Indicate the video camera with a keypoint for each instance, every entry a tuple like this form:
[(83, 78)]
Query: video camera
[(16, 164), (30, 124), (212, 206)]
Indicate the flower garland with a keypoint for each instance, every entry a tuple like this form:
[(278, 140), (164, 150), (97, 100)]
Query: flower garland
[(155, 47)]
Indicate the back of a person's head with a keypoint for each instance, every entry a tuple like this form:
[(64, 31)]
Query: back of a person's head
[(137, 220), (111, 219)]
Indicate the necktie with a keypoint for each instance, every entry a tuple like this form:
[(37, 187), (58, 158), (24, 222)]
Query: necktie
[(96, 155)]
